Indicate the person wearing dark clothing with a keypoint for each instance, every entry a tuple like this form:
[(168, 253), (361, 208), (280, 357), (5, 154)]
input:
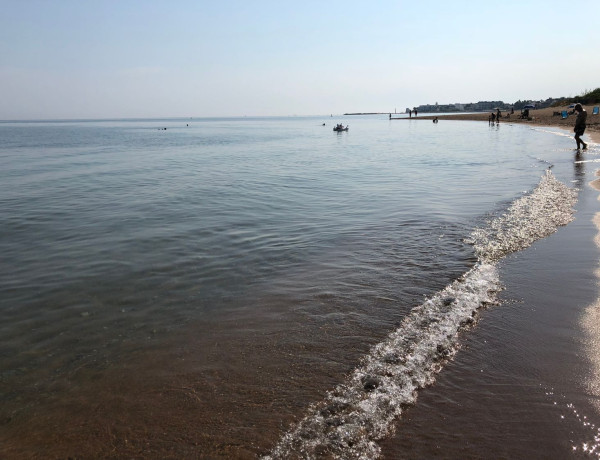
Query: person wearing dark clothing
[(580, 126)]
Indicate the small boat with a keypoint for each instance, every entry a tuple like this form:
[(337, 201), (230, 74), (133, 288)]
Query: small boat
[(340, 127)]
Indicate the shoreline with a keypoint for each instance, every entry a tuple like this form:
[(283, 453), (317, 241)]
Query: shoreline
[(530, 365), (540, 117)]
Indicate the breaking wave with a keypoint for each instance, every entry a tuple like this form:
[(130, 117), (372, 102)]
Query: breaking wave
[(351, 418)]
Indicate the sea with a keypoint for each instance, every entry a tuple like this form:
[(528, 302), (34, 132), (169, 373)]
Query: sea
[(269, 288)]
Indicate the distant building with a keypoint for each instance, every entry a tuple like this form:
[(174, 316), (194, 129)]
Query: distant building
[(485, 106), (440, 108), (482, 106)]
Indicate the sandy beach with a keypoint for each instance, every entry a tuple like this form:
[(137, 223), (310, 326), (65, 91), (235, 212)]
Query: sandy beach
[(541, 117)]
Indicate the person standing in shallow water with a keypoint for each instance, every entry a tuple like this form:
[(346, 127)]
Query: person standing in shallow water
[(580, 126)]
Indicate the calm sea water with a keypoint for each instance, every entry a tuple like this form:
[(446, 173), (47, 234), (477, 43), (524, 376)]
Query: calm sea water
[(275, 237)]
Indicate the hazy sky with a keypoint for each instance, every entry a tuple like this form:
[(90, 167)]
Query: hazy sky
[(180, 58)]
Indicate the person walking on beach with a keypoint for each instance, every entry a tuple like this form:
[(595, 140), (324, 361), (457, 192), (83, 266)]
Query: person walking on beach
[(580, 125)]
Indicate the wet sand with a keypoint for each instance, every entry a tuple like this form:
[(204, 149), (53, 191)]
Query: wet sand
[(541, 117), (526, 383)]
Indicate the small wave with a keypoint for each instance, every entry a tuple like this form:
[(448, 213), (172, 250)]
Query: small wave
[(528, 219), (557, 132), (351, 418), (360, 411)]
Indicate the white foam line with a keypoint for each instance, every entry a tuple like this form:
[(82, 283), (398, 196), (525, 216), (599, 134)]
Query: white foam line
[(528, 219), (562, 132), (360, 411)]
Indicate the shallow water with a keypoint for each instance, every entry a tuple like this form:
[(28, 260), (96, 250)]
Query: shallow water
[(202, 285)]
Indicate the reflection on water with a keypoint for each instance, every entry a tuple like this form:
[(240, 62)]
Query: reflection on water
[(591, 324), (587, 439)]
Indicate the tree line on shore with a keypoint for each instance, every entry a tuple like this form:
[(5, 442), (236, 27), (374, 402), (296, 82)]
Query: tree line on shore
[(587, 97)]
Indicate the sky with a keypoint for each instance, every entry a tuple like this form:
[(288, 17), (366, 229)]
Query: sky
[(67, 59)]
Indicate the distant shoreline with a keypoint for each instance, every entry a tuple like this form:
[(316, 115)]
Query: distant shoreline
[(540, 117), (370, 113)]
